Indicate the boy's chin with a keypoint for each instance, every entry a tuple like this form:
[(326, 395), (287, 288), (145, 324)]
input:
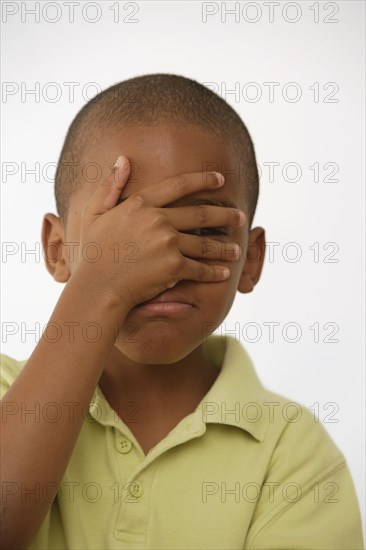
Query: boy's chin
[(158, 350)]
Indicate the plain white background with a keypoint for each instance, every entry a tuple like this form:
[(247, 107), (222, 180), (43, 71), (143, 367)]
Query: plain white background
[(295, 73)]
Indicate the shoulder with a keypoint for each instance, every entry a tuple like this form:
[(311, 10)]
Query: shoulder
[(9, 370), (308, 498), (285, 428), (293, 429), (288, 427)]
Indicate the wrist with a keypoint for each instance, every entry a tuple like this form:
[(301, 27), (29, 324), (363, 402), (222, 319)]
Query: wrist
[(94, 297)]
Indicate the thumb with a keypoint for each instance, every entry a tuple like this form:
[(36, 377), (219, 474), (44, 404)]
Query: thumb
[(109, 190)]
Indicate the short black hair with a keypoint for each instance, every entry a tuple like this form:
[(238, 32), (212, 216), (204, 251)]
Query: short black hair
[(150, 99)]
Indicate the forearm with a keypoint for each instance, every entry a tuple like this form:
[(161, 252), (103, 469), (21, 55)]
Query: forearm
[(34, 451)]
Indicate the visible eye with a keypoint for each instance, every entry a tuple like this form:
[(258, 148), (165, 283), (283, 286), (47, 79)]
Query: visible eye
[(205, 231)]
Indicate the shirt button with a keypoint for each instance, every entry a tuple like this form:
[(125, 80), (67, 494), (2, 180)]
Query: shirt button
[(124, 445)]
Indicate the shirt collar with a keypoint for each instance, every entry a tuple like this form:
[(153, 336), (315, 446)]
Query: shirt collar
[(237, 396)]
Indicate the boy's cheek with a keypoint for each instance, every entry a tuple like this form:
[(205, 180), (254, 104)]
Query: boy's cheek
[(215, 297)]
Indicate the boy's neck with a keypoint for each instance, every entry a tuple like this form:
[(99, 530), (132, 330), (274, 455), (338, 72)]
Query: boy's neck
[(159, 388), (162, 395)]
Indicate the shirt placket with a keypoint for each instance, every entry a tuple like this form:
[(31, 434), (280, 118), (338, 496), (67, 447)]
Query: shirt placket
[(137, 472)]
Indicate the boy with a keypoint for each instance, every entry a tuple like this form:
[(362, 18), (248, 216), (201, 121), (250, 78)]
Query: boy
[(147, 431)]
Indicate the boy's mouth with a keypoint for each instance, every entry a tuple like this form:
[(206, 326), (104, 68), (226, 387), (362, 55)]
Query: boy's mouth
[(168, 302)]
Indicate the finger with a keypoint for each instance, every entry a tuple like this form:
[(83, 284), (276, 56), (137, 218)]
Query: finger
[(198, 271), (208, 249), (176, 187), (204, 215), (109, 190)]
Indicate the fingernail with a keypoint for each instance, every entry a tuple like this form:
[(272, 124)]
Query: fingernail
[(241, 218), (226, 273), (219, 178), (118, 163)]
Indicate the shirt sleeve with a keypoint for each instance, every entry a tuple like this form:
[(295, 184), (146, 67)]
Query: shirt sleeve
[(9, 370), (308, 500)]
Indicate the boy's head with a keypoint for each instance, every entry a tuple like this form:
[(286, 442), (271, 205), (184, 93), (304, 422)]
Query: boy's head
[(151, 100), (166, 125)]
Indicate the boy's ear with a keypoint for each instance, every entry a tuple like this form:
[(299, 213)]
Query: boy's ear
[(54, 253), (253, 263)]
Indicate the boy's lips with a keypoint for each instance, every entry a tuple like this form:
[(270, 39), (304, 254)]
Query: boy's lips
[(168, 302), (170, 295)]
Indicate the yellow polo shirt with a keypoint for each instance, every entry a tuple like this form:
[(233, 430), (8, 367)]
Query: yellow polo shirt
[(247, 469)]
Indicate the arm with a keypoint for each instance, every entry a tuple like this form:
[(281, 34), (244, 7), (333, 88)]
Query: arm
[(308, 499), (35, 453), (326, 516)]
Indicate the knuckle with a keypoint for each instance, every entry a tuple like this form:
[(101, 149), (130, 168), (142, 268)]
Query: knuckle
[(235, 216), (209, 249), (176, 265), (137, 200), (202, 212), (158, 219), (202, 272), (169, 239), (178, 183), (172, 283)]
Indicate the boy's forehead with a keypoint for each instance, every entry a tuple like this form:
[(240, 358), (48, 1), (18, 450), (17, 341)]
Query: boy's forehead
[(162, 151)]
